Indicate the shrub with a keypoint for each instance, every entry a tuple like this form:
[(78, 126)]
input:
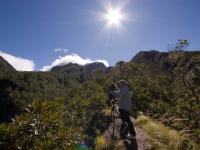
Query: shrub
[(42, 126)]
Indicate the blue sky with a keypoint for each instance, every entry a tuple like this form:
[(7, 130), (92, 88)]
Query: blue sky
[(32, 29)]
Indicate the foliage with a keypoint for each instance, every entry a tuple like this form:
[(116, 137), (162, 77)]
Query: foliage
[(165, 95), (100, 143), (163, 138), (165, 85), (42, 126), (20, 88)]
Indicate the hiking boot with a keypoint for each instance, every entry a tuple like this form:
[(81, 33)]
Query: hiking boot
[(130, 137)]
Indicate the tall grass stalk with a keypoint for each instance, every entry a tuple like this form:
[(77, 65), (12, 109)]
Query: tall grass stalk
[(165, 138)]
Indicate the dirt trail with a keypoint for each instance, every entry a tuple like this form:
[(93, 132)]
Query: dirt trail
[(139, 143)]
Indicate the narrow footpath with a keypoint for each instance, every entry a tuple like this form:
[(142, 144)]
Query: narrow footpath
[(139, 143)]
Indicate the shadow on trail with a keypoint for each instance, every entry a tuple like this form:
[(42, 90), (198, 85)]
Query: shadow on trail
[(101, 124), (131, 144), (96, 126)]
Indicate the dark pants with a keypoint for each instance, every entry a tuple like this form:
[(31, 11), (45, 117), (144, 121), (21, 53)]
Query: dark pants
[(126, 118)]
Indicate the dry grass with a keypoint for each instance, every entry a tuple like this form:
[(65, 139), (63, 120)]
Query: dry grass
[(106, 111), (164, 138), (100, 143)]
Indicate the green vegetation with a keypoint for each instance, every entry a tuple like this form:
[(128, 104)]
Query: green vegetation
[(164, 138), (100, 143), (44, 125), (69, 100), (5, 67)]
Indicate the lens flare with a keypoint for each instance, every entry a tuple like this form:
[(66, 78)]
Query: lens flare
[(113, 17)]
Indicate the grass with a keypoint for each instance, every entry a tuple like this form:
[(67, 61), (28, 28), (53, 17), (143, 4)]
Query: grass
[(100, 143), (106, 111), (163, 138)]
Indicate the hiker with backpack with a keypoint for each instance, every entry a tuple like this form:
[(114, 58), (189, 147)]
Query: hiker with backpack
[(124, 99)]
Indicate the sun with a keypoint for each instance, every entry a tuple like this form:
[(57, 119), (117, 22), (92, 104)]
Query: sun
[(114, 17)]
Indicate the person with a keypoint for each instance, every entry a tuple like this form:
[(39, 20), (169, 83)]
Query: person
[(124, 97)]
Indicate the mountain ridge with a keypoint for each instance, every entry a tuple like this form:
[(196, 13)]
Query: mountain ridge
[(89, 68), (152, 57), (5, 66), (159, 62)]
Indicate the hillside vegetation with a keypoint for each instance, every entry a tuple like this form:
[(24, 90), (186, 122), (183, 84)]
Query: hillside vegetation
[(164, 138), (44, 109)]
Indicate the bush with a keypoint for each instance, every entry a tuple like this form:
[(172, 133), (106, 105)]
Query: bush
[(42, 126)]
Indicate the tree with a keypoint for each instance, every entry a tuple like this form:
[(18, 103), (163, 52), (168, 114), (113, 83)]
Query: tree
[(187, 68)]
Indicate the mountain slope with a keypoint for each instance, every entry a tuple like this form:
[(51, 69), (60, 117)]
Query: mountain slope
[(161, 62), (150, 57), (5, 66), (75, 68), (77, 72), (162, 94)]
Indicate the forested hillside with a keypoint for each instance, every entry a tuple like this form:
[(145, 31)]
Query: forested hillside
[(5, 66), (45, 108)]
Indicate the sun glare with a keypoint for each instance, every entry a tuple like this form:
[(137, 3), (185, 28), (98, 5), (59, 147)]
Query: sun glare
[(113, 17)]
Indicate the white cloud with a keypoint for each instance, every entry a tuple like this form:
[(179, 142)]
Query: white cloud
[(65, 50), (61, 50), (72, 58), (18, 63)]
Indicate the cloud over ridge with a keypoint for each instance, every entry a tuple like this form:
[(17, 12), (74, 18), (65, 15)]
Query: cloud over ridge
[(72, 58), (20, 64)]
